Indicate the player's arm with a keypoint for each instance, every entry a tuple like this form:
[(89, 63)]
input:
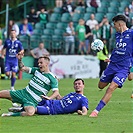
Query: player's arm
[(54, 95), (83, 111), (21, 52), (21, 64), (59, 97)]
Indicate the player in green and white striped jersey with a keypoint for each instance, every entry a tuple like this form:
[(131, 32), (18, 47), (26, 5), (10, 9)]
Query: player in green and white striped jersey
[(40, 84)]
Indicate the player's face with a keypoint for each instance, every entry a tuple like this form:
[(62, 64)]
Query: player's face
[(78, 86), (13, 34), (117, 26), (43, 64)]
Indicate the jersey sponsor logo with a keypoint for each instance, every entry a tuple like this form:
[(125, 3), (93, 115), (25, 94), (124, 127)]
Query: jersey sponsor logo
[(12, 51), (38, 87), (42, 77), (121, 48), (121, 45), (36, 97)]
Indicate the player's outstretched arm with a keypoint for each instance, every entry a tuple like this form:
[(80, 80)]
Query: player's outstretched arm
[(21, 64), (83, 111), (59, 97), (54, 94)]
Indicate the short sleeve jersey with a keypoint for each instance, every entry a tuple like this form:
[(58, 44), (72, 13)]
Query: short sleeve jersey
[(41, 83)]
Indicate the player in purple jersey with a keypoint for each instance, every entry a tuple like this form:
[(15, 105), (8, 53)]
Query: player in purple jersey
[(120, 62), (73, 102), (12, 47)]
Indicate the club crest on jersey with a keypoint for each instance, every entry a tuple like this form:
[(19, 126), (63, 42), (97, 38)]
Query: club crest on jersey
[(127, 36)]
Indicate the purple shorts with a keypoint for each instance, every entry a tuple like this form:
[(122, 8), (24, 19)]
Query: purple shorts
[(115, 73), (11, 66), (44, 107)]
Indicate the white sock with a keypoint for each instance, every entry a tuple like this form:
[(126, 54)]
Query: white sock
[(12, 88)]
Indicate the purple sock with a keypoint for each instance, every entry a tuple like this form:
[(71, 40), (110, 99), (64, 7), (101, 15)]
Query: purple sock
[(100, 105), (13, 81)]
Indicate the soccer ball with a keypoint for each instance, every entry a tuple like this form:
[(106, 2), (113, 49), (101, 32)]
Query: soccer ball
[(97, 45)]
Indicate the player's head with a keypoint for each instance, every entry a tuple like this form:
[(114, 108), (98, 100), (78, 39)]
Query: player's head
[(79, 85), (13, 33), (119, 22), (43, 63)]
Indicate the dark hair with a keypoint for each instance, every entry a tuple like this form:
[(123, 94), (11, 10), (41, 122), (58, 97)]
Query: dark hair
[(119, 17), (79, 79)]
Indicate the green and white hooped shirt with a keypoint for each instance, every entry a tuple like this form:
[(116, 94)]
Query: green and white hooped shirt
[(41, 83)]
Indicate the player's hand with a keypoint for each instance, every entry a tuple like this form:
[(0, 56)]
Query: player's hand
[(45, 97), (107, 60), (79, 112), (20, 56)]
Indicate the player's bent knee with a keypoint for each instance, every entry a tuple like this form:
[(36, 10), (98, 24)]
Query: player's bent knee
[(8, 74), (30, 114), (130, 78), (30, 111), (100, 86)]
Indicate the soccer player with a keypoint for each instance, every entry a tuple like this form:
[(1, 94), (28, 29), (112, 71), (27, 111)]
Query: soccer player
[(12, 47), (73, 102), (70, 103), (40, 84), (120, 62)]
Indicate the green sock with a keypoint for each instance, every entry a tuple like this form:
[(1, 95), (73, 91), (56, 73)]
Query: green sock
[(16, 114)]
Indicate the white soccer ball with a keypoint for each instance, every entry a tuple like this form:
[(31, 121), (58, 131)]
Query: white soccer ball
[(97, 45)]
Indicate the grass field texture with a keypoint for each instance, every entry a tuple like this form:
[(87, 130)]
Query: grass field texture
[(116, 116)]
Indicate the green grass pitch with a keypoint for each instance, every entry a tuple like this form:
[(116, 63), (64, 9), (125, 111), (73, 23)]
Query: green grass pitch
[(116, 117)]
